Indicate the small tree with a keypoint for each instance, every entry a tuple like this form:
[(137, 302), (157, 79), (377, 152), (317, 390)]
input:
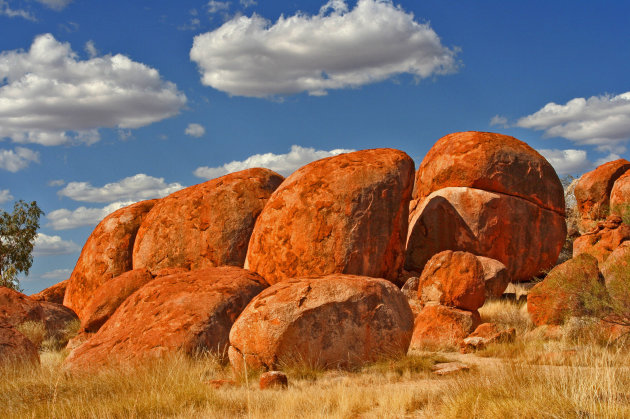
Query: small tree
[(17, 238)]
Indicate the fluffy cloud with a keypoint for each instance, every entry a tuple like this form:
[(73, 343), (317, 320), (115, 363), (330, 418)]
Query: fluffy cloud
[(50, 97), (248, 3), (602, 121), (64, 219), (6, 10), (133, 188), (338, 48), (285, 164), (499, 120), (58, 274), (567, 162), (53, 245), (55, 4), (18, 159), (195, 130), (5, 196), (215, 6)]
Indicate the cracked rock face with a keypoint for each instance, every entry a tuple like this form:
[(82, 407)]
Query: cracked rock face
[(343, 214), (491, 195), (205, 225), (106, 254), (190, 312), (336, 321)]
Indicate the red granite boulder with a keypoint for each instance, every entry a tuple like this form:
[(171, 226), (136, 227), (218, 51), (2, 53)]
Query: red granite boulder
[(190, 312), (106, 254), (205, 225), (603, 239), (336, 321), (15, 348), (593, 190), (490, 162), (454, 279), (438, 326), (16, 308), (616, 272), (525, 237), (52, 294), (343, 214), (620, 196), (495, 276)]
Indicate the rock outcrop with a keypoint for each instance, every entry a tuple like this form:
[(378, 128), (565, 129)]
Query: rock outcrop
[(205, 225), (343, 214), (336, 321), (603, 239), (495, 276), (52, 294), (106, 254), (437, 326), (16, 308), (592, 192), (15, 348), (189, 312), (620, 196)]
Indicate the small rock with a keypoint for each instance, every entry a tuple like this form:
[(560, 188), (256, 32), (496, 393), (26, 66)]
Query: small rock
[(272, 379), (221, 383), (447, 368)]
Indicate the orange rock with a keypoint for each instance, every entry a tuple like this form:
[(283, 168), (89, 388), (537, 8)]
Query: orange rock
[(343, 214), (616, 272), (495, 276), (603, 239), (106, 254), (204, 225), (620, 196), (56, 317), (438, 325), (490, 162), (273, 379), (109, 296), (526, 238), (556, 298), (16, 308), (593, 190), (453, 279), (15, 347), (486, 334), (336, 321), (190, 312), (53, 294)]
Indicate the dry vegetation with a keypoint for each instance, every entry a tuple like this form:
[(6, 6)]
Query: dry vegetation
[(573, 376)]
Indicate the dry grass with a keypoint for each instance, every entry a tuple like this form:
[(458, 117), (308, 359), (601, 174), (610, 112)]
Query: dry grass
[(573, 376)]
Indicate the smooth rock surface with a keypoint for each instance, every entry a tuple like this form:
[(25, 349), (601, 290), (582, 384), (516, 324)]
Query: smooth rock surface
[(15, 348), (52, 294), (438, 326)]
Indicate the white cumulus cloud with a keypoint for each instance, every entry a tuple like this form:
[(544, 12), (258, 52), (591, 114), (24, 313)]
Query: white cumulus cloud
[(337, 48), (285, 164), (195, 130), (567, 162), (18, 159), (55, 4), (499, 120), (65, 219), (58, 274), (6, 10), (133, 188), (602, 121), (53, 245), (50, 97), (5, 196)]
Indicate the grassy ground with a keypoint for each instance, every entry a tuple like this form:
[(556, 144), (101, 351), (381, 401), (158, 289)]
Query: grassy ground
[(573, 376)]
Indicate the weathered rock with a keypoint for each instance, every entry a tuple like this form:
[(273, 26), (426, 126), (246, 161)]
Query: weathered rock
[(16, 308), (343, 214), (106, 254), (557, 297), (495, 276), (336, 321), (438, 325), (603, 239), (410, 286), (491, 162), (109, 296), (620, 196), (273, 379), (448, 368), (453, 279), (15, 348), (486, 334), (205, 225), (190, 312), (56, 317), (592, 192), (524, 237), (53, 294), (616, 272)]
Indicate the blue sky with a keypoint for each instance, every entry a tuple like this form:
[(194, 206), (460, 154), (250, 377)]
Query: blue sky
[(106, 103)]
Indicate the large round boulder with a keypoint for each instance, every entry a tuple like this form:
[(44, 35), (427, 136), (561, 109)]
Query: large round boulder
[(343, 214), (495, 276), (438, 326), (561, 294), (189, 312), (336, 321), (453, 279), (205, 225), (616, 272), (593, 190), (525, 237), (490, 162), (620, 196), (15, 348), (106, 254), (16, 308), (53, 294)]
